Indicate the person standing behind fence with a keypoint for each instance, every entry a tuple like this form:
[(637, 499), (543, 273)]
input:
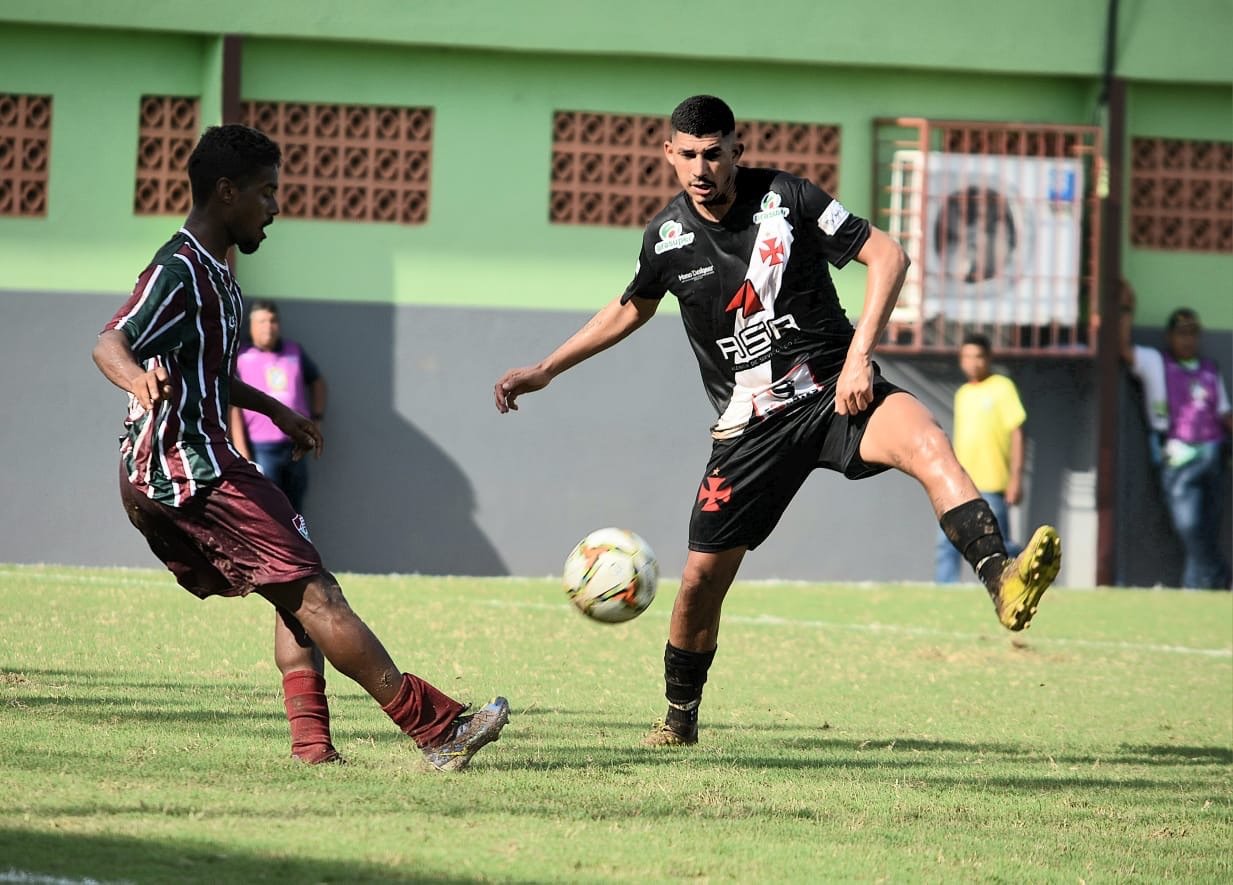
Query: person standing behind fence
[(988, 441), (1187, 407), (280, 367)]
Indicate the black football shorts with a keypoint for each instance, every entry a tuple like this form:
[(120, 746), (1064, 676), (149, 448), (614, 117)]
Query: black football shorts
[(751, 479)]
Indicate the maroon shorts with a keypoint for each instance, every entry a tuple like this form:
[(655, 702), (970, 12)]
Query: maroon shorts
[(238, 534)]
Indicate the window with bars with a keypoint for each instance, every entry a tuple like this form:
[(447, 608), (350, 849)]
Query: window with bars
[(1002, 223), (25, 146), (1181, 195), (350, 162), (167, 132), (609, 169)]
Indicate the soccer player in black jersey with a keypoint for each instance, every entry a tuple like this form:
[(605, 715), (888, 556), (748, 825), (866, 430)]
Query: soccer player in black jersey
[(745, 251), (220, 526)]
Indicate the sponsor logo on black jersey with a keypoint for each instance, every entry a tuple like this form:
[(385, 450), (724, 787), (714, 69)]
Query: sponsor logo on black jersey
[(754, 343), (785, 389), (696, 274), (746, 299), (771, 208), (833, 217), (671, 237), (771, 250)]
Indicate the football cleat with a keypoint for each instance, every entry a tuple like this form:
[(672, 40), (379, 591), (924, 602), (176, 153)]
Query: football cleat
[(664, 735), (1026, 578), (467, 735)]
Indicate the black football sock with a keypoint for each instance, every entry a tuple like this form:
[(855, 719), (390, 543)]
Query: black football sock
[(974, 531), (684, 676)]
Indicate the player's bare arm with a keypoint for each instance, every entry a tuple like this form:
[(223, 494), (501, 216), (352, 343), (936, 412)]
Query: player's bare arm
[(303, 431), (238, 433), (888, 265), (115, 360), (1014, 487), (612, 323)]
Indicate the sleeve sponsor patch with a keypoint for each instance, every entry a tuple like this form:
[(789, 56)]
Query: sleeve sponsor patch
[(833, 217)]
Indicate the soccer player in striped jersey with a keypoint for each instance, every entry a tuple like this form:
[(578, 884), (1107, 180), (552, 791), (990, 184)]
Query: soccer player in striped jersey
[(219, 525), (746, 253)]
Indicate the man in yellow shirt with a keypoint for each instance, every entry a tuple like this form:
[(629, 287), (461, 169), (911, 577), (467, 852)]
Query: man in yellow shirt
[(988, 441)]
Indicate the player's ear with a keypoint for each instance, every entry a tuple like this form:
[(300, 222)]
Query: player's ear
[(668, 150), (224, 190), (737, 150)]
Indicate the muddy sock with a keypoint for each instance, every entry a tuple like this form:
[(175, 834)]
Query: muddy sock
[(422, 712), (684, 676), (308, 713), (974, 531)]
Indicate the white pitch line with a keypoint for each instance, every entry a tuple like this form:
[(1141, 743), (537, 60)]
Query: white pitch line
[(14, 875), (904, 629), (753, 621)]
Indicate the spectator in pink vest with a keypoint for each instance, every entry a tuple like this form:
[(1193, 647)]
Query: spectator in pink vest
[(279, 367), (1187, 407)]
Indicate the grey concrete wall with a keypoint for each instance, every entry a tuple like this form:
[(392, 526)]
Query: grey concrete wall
[(420, 473)]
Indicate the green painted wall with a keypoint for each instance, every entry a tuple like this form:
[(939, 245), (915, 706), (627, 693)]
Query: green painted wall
[(488, 241), (90, 239), (1165, 280), (1183, 40)]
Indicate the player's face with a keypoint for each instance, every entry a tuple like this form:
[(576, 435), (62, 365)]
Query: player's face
[(974, 362), (252, 209), (705, 167), (264, 328)]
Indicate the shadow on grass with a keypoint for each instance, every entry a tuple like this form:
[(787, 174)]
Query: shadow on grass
[(33, 855), (592, 740), (1165, 755)]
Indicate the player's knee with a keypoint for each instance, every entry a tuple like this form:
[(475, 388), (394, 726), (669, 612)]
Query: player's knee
[(703, 580), (929, 452), (323, 598)]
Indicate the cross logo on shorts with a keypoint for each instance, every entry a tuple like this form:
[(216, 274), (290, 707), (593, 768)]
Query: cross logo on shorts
[(712, 495)]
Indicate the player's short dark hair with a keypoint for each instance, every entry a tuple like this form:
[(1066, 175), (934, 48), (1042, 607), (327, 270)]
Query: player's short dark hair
[(232, 151), (1181, 315), (703, 115), (978, 340), (263, 304)]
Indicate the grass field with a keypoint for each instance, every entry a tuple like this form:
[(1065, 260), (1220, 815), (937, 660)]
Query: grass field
[(849, 734)]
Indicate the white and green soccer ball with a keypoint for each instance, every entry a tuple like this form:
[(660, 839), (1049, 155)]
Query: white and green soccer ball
[(611, 575)]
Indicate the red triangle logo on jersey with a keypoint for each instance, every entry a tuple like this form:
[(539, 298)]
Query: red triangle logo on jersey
[(746, 298)]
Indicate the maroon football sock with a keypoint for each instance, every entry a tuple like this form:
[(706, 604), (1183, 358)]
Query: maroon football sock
[(309, 715), (421, 711)]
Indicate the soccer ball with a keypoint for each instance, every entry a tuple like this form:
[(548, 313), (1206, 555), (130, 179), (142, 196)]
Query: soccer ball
[(611, 575)]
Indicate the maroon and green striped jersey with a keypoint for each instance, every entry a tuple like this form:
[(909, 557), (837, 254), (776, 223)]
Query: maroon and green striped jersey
[(184, 315)]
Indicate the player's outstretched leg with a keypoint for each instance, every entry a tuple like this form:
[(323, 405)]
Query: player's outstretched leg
[(1024, 579), (424, 713), (1015, 584)]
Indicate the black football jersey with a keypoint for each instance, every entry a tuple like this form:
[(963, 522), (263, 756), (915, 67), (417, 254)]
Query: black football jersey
[(755, 292)]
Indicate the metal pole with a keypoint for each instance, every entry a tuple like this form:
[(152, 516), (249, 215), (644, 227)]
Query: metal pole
[(233, 46), (1108, 368)]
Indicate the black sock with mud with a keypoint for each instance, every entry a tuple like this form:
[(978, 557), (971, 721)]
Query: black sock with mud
[(684, 677), (974, 531)]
